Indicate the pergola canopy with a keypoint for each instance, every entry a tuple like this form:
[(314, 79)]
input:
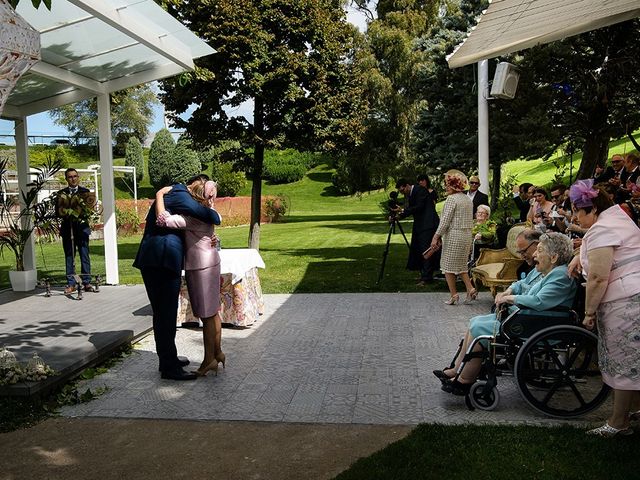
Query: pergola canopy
[(93, 47), (508, 26)]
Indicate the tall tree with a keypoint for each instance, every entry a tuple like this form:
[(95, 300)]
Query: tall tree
[(131, 115), (292, 58)]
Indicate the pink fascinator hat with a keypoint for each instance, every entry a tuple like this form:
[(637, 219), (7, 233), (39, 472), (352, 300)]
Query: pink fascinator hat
[(582, 193)]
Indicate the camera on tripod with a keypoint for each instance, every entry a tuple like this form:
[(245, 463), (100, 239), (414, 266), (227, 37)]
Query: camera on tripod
[(393, 204)]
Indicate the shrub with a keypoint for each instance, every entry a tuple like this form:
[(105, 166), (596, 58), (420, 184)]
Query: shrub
[(286, 166), (134, 157), (276, 207), (284, 172), (184, 164), (127, 221), (161, 159), (229, 182)]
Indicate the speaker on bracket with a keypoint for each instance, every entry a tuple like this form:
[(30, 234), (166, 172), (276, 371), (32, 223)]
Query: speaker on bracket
[(505, 81)]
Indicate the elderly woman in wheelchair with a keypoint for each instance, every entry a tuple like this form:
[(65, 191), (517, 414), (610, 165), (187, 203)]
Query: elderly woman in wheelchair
[(545, 287)]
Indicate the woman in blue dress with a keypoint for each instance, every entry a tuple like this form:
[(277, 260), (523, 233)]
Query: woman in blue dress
[(547, 286)]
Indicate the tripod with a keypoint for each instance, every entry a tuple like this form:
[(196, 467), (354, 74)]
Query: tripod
[(392, 229)]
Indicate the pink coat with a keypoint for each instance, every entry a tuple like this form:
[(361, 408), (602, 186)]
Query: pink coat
[(197, 237)]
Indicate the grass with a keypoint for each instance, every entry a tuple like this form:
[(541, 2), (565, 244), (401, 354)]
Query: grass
[(500, 452)]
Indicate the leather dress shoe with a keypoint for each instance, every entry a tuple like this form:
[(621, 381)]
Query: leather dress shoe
[(69, 290), (89, 288), (178, 374)]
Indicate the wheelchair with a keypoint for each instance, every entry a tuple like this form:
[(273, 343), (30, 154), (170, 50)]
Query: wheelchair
[(553, 359)]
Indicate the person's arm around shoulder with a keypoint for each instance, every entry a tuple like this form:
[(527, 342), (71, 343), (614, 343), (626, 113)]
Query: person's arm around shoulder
[(163, 216), (180, 201)]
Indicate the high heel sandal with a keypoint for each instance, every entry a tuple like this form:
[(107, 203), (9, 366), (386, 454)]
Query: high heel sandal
[(443, 377), (453, 300), (220, 358), (471, 296), (202, 372)]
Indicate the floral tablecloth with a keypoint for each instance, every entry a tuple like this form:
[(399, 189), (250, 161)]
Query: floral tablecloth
[(240, 294)]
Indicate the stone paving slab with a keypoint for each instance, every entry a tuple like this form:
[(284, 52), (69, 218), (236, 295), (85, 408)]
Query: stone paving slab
[(318, 358)]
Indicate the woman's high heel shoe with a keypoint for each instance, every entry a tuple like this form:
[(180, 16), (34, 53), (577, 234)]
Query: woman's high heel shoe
[(220, 358), (471, 296), (453, 300), (213, 366)]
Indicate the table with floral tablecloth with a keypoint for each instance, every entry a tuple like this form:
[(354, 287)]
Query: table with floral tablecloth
[(240, 290)]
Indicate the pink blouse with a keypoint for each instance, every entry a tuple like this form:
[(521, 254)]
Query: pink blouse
[(197, 237), (615, 229)]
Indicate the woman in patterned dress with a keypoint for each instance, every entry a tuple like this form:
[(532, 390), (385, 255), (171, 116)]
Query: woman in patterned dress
[(610, 261), (454, 234)]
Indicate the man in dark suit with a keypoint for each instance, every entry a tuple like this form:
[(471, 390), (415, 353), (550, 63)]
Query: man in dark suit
[(476, 195), (425, 223), (160, 260), (613, 173), (75, 229)]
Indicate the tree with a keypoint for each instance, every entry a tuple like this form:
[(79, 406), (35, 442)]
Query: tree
[(134, 157), (291, 58), (160, 159), (131, 115)]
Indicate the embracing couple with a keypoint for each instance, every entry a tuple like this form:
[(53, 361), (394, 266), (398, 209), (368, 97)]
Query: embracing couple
[(179, 231)]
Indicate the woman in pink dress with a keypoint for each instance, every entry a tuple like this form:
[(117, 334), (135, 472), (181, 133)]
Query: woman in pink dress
[(610, 261), (202, 270)]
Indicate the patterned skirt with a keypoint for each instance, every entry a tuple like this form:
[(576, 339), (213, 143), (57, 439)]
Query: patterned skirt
[(456, 248), (619, 343)]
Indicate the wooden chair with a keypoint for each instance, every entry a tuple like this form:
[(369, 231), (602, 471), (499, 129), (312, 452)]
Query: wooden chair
[(497, 268)]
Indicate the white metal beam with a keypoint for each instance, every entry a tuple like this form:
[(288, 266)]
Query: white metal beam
[(22, 165), (55, 101), (61, 75), (147, 76), (174, 51)]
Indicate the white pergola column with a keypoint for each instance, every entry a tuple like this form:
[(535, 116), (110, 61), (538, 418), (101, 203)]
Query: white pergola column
[(22, 164), (108, 195), (483, 125)]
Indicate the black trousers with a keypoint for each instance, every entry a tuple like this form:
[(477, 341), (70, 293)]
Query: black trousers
[(163, 289)]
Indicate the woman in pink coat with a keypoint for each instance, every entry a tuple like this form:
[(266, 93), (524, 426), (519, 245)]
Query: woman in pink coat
[(202, 269), (610, 261)]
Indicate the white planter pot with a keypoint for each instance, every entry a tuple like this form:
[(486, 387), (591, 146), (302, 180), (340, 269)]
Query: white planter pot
[(24, 281)]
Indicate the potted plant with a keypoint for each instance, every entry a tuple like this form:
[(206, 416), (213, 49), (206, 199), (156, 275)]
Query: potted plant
[(19, 221)]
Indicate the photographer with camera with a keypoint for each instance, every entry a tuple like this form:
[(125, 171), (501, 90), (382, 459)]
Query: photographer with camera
[(419, 204)]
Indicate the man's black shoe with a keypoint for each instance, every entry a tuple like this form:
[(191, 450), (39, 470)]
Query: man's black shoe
[(182, 362), (178, 374)]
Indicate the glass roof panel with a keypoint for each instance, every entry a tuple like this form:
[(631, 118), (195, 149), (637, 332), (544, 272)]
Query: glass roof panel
[(32, 88), (62, 46), (61, 13), (119, 63)]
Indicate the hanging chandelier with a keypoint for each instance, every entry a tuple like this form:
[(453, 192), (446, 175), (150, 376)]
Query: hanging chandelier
[(19, 49)]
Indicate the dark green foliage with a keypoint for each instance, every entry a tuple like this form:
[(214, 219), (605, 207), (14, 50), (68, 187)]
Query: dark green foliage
[(161, 159), (229, 181), (185, 164), (134, 157), (286, 166)]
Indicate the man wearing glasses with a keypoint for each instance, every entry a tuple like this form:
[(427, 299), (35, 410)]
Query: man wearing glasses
[(74, 229), (476, 195), (612, 174), (526, 244)]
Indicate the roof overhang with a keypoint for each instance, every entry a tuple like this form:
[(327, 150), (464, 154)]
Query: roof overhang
[(508, 26), (93, 47)]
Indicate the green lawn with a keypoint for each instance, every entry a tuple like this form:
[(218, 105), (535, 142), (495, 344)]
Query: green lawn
[(490, 452)]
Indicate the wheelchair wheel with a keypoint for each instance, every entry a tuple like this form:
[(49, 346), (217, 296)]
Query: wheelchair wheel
[(481, 399), (557, 373)]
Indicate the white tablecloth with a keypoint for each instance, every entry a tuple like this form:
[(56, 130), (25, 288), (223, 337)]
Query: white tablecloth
[(238, 261)]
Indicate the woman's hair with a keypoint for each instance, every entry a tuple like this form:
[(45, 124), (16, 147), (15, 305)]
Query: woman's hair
[(202, 192), (558, 244), (486, 208), (425, 178), (542, 191)]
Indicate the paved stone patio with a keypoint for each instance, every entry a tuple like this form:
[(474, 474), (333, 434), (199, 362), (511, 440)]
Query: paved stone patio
[(318, 358)]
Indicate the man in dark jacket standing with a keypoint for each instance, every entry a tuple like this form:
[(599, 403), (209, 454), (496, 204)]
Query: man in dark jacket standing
[(73, 206), (160, 259), (477, 197), (425, 223)]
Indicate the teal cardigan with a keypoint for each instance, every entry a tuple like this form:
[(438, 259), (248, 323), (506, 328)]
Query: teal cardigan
[(553, 290)]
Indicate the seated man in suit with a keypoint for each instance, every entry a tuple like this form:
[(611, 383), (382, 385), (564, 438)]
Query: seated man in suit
[(160, 259), (476, 195)]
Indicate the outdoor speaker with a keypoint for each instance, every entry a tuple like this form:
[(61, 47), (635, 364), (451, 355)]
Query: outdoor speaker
[(505, 81)]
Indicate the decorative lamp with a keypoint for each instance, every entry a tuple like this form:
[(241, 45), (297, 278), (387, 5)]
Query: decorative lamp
[(7, 359), (36, 364), (19, 49)]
